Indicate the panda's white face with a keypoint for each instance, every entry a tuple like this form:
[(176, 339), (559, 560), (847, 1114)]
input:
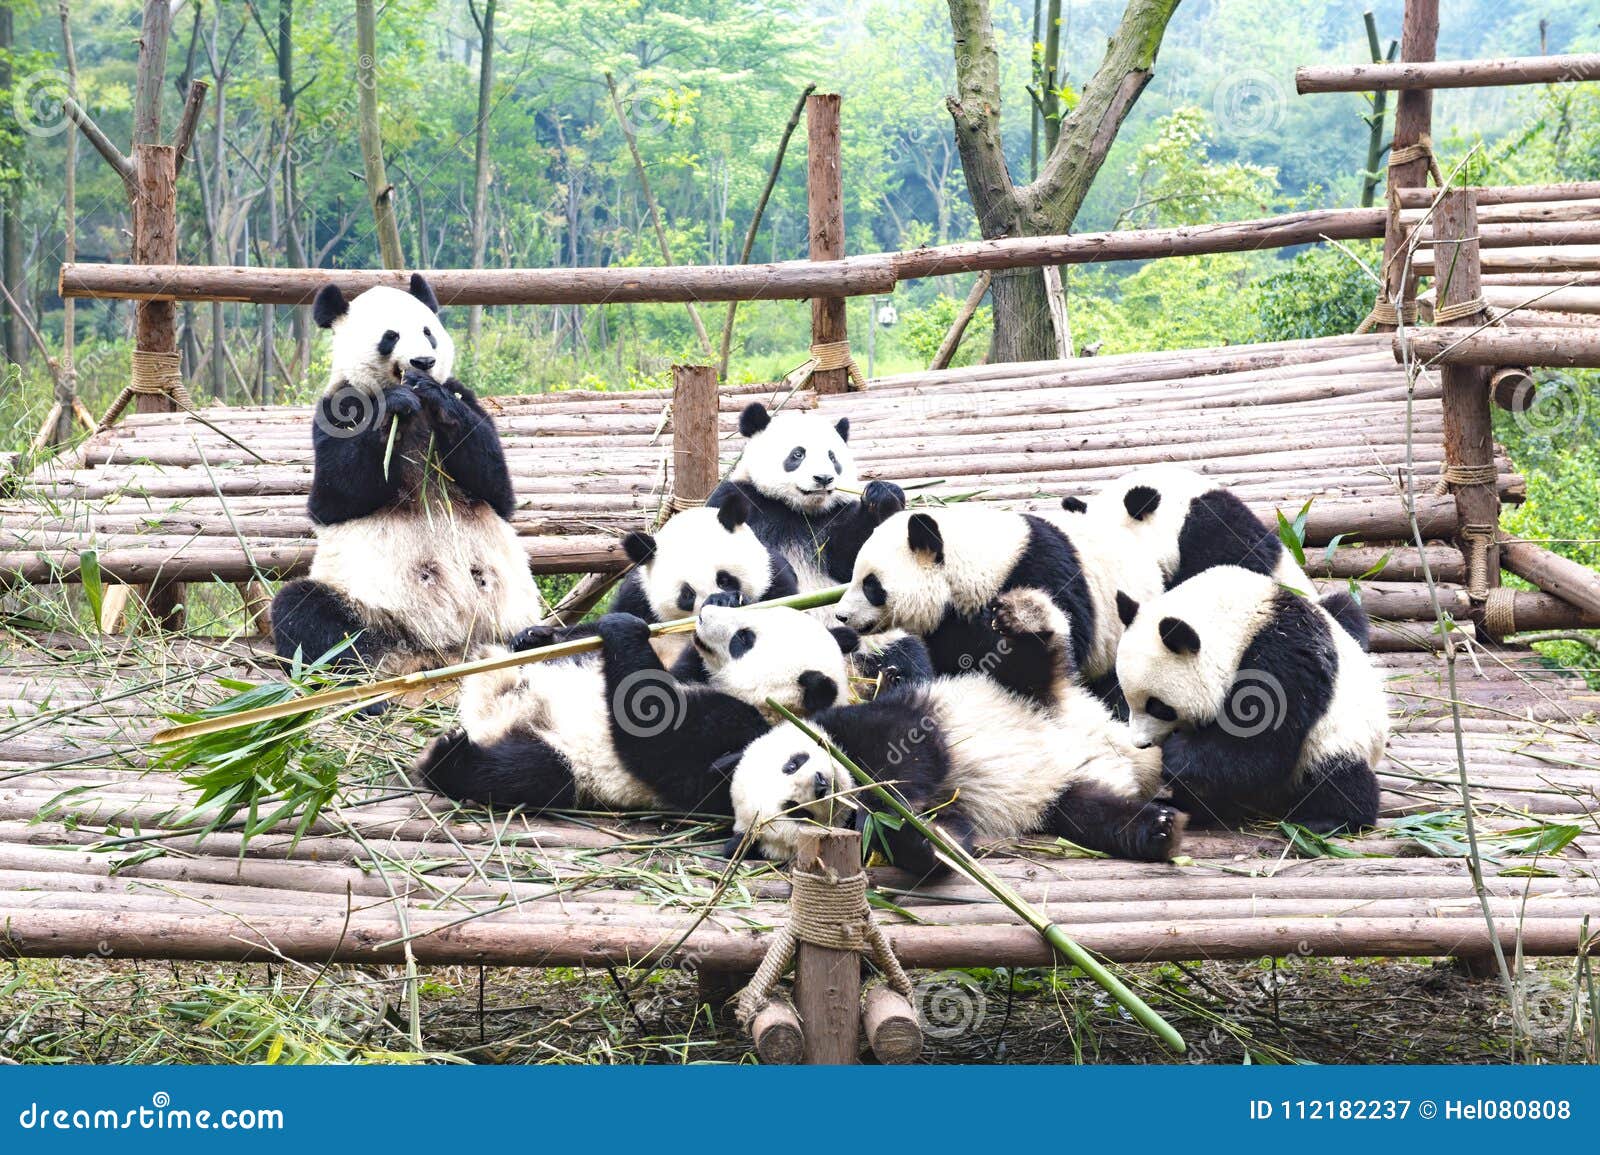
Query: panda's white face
[(1178, 661), (783, 780), (777, 653), (798, 458), (384, 333), (698, 553), (1151, 505), (918, 564)]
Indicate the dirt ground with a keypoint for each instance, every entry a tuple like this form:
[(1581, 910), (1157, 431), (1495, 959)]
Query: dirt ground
[(1301, 1010)]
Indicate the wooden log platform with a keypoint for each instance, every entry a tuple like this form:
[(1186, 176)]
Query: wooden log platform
[(97, 856)]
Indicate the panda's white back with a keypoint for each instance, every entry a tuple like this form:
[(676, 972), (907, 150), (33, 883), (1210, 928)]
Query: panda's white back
[(1357, 718)]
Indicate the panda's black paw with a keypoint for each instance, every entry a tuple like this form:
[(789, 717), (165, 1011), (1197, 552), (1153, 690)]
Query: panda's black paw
[(532, 638), (400, 401), (441, 403), (1156, 832), (881, 500), (622, 628), (727, 599)]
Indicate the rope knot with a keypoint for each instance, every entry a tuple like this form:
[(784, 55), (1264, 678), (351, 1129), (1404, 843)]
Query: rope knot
[(828, 355)]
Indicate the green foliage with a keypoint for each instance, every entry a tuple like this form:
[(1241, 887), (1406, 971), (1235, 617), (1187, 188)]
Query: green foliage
[(1178, 183), (923, 330), (1320, 293)]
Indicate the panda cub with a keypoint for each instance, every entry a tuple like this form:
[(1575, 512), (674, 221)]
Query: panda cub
[(986, 762), (699, 554), (1265, 702), (1187, 523), (625, 733), (794, 470), (410, 499), (936, 574)]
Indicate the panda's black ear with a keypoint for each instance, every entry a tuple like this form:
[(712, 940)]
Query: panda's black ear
[(422, 291), (1127, 608), (818, 691), (640, 547), (842, 427), (922, 534), (754, 419), (849, 641), (1074, 505), (328, 306), (1141, 501), (734, 510), (820, 786), (1179, 636)]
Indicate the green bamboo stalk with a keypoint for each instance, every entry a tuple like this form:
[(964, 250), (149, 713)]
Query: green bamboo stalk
[(969, 866), (391, 687)]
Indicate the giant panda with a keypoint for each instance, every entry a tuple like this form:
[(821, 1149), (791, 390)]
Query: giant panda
[(416, 559), (624, 732), (936, 572), (1186, 523), (795, 470), (986, 762), (1265, 702)]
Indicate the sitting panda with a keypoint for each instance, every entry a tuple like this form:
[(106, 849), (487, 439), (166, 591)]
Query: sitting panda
[(1187, 523), (793, 471), (1265, 702), (625, 733), (416, 559), (698, 554), (936, 573), (987, 763)]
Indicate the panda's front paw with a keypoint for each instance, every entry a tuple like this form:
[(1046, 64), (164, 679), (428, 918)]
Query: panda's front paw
[(401, 401), (1156, 832), (727, 599), (1024, 612), (622, 629), (532, 638), (881, 500), (441, 403)]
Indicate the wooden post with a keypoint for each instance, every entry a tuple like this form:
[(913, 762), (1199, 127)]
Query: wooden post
[(827, 982), (891, 1025), (1468, 423), (1413, 120), (695, 471), (777, 1035), (155, 242), (825, 200)]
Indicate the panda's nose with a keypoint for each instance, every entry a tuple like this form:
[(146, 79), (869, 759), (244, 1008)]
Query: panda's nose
[(424, 363), (843, 618), (822, 479)]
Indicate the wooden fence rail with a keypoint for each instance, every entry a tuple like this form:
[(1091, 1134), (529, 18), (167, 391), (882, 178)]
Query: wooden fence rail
[(1407, 76)]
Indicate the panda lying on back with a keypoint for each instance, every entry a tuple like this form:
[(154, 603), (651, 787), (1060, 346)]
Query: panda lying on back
[(623, 732), (1265, 702), (985, 762), (416, 558)]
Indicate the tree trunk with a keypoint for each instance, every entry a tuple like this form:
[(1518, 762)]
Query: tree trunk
[(379, 192), (301, 317), (1048, 205), (480, 161), (11, 334), (67, 384), (219, 256)]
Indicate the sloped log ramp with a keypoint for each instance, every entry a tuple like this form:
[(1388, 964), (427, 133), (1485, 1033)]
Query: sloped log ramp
[(96, 859)]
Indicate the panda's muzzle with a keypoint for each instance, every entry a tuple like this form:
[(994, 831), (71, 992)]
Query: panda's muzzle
[(424, 364)]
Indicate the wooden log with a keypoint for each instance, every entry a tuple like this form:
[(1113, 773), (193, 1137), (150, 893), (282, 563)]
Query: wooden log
[(1468, 422), (1543, 259), (1493, 212), (695, 471), (958, 327), (1583, 301), (1521, 234), (827, 982), (890, 1022), (1545, 280), (825, 208), (1554, 574), (1413, 123), (1550, 348), (1410, 76), (777, 1034), (1416, 198)]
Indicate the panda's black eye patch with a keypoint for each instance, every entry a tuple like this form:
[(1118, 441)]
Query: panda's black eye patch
[(796, 456), (428, 333), (872, 589), (794, 763), (726, 581), (742, 643), (1156, 708), (686, 597), (834, 457), (387, 343)]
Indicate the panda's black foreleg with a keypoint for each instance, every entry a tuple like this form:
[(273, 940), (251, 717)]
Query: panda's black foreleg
[(844, 531), (312, 618), (1222, 776), (909, 851), (467, 442), (349, 442), (1337, 796), (1097, 819), (516, 770), (534, 637)]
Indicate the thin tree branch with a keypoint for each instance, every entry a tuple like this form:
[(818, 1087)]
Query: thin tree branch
[(102, 143), (189, 122)]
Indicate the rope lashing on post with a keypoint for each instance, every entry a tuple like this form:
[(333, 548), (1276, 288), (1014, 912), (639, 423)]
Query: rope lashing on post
[(1467, 476), (1444, 314), (828, 911), (1500, 612), (1411, 152), (830, 355), (1384, 313), (154, 375), (1476, 540)]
